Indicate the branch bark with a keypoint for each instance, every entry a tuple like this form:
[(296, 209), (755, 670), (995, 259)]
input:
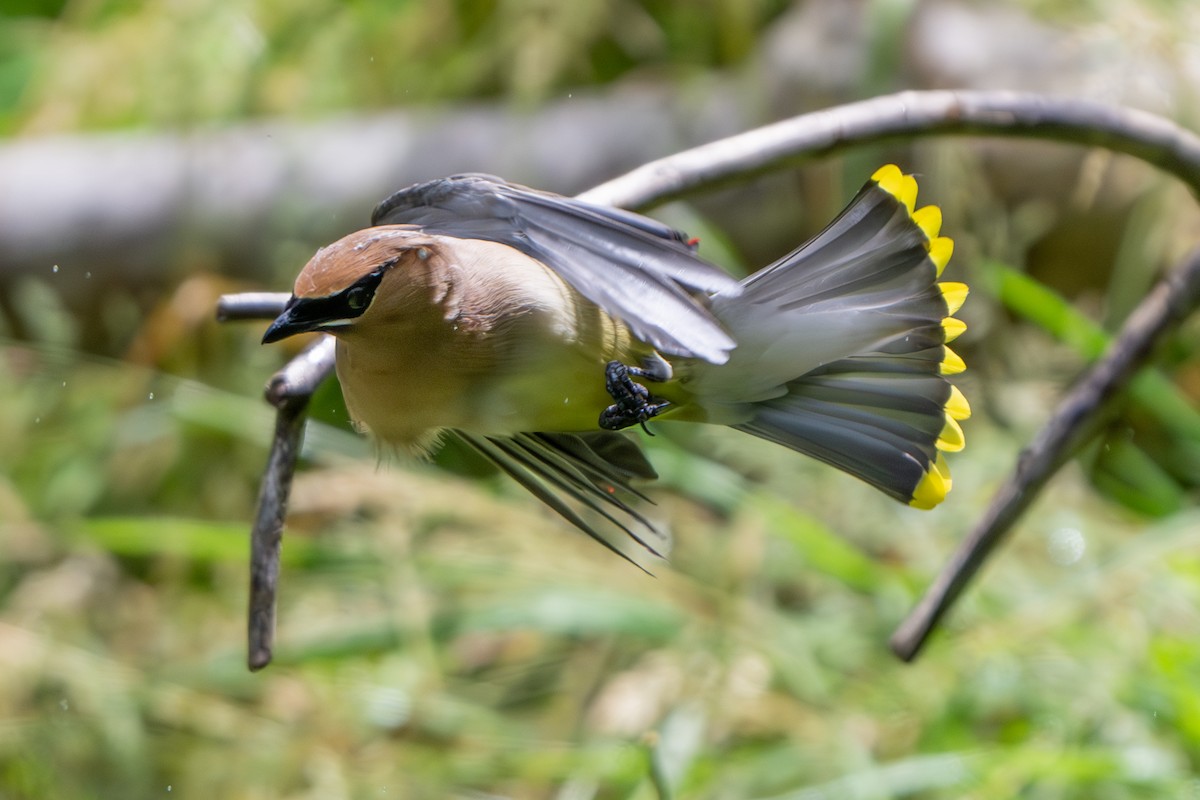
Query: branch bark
[(266, 537), (1146, 136)]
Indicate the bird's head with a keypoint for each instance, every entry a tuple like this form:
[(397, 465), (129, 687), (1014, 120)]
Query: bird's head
[(371, 276)]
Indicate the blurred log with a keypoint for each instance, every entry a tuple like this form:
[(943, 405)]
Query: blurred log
[(127, 206)]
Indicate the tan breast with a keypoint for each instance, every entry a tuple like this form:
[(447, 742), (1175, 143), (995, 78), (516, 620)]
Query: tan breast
[(494, 343)]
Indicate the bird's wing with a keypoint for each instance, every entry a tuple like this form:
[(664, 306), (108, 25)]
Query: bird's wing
[(569, 471), (635, 268)]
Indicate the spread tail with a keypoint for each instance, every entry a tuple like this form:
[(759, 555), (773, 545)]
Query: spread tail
[(842, 347)]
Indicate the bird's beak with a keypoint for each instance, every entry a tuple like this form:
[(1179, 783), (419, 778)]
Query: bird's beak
[(294, 319)]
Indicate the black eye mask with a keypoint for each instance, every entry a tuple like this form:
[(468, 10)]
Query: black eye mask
[(303, 314)]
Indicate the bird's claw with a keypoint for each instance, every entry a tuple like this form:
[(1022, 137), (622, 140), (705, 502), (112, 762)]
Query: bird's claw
[(634, 403)]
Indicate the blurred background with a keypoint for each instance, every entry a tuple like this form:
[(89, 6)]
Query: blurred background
[(441, 634)]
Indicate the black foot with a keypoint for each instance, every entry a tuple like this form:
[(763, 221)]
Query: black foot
[(634, 403)]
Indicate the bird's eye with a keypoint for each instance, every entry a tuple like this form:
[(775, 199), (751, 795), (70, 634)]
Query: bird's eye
[(358, 298)]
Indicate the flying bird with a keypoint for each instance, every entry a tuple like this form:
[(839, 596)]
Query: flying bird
[(536, 327)]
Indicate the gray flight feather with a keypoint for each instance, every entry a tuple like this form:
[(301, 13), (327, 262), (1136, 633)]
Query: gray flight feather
[(566, 470), (635, 268)]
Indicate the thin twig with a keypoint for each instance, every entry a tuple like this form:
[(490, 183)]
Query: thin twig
[(289, 391), (267, 535), (1080, 414)]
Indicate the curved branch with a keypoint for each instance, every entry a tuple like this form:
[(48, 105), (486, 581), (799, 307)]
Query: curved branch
[(1146, 136)]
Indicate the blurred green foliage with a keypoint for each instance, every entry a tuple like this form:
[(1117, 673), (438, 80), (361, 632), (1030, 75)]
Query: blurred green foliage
[(117, 63), (1149, 458), (446, 637)]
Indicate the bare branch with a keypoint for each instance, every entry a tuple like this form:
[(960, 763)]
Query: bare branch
[(303, 374), (289, 391), (1151, 138), (250, 305), (1080, 414), (267, 535)]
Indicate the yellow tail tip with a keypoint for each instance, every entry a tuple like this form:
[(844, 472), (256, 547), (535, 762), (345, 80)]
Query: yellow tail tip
[(952, 362), (957, 406), (952, 328), (940, 250), (935, 483), (934, 486), (897, 184), (951, 439), (889, 177), (903, 187), (929, 220), (955, 294)]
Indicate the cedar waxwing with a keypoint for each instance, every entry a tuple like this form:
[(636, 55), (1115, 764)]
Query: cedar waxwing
[(534, 326)]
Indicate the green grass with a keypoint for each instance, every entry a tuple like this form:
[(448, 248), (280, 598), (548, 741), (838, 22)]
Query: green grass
[(443, 637)]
